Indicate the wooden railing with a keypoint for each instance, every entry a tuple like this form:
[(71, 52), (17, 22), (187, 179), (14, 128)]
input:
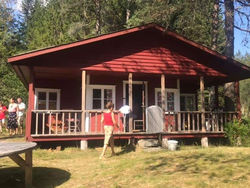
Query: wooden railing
[(69, 122), (93, 122), (192, 121), (56, 122)]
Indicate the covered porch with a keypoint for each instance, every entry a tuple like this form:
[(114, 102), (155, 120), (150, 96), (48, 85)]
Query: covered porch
[(181, 118)]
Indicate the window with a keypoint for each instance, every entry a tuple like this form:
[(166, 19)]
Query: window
[(99, 95), (188, 102), (171, 101), (47, 99)]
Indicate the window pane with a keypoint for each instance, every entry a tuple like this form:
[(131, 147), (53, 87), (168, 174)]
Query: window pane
[(52, 96), (189, 103), (52, 105), (108, 94), (41, 95), (41, 101), (170, 96), (97, 93), (171, 106), (183, 103), (159, 98), (97, 104), (41, 105)]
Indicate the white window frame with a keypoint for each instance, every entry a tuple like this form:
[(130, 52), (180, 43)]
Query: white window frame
[(189, 95), (47, 91), (176, 98), (89, 96)]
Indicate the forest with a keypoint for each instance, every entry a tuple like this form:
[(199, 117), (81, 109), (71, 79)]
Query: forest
[(46, 23)]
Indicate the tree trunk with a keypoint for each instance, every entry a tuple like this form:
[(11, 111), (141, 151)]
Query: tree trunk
[(98, 17), (229, 51), (213, 100), (215, 25)]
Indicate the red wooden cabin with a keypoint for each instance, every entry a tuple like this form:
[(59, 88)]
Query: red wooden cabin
[(142, 66)]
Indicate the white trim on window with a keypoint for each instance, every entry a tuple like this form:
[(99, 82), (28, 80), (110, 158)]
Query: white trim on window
[(89, 95), (47, 91), (176, 97)]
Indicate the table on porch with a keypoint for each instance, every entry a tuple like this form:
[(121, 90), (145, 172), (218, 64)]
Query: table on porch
[(12, 150)]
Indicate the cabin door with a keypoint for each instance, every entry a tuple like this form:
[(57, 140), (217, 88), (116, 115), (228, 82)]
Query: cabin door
[(139, 104)]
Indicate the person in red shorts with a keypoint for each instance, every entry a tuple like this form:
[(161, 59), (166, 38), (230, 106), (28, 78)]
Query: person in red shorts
[(3, 109), (108, 120)]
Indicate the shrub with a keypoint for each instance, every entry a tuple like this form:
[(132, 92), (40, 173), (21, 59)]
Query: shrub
[(238, 132)]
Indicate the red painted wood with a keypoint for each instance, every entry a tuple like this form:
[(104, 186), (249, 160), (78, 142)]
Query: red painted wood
[(84, 42), (156, 61), (127, 136), (100, 128)]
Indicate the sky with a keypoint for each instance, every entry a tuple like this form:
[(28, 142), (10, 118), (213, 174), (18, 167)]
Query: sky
[(239, 36)]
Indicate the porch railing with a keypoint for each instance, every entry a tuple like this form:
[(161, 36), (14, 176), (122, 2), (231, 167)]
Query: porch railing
[(69, 122), (192, 121), (56, 122)]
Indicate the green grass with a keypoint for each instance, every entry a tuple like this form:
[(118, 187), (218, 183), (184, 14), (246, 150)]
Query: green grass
[(191, 166)]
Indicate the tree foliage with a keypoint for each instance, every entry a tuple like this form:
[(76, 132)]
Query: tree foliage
[(10, 85), (45, 23), (244, 86)]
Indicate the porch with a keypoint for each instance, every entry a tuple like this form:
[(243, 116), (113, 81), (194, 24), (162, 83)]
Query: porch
[(51, 121)]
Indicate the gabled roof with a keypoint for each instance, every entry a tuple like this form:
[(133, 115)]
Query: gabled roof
[(237, 70), (82, 42)]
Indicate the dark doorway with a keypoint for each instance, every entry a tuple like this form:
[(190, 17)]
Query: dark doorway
[(138, 110)]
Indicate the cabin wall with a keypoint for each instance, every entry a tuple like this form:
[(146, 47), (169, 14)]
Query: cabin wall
[(70, 92)]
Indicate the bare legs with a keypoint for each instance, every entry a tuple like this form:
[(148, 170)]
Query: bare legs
[(108, 140)]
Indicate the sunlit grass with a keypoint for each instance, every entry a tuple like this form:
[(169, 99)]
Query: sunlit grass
[(188, 167)]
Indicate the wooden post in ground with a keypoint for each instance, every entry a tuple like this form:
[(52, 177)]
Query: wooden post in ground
[(163, 98), (204, 140), (130, 100), (28, 169), (237, 97), (83, 100)]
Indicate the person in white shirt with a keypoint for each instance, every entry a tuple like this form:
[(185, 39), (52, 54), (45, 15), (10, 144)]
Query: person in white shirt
[(20, 115), (12, 120)]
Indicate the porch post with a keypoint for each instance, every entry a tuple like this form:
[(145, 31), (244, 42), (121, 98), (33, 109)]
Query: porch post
[(163, 97), (130, 100), (204, 139), (83, 100), (31, 105), (237, 96)]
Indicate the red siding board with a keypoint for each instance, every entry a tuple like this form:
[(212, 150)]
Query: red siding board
[(155, 61)]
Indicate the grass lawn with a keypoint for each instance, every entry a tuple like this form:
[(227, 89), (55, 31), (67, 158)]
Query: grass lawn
[(191, 166)]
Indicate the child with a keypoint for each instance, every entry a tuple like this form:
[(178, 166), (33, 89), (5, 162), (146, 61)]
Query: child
[(108, 120), (3, 109)]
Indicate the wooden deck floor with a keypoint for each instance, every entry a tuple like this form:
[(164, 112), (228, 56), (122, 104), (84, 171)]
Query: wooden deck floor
[(138, 135)]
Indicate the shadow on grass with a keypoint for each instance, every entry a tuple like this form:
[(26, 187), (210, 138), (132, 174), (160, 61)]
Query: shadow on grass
[(42, 177), (195, 163), (127, 149), (4, 137)]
